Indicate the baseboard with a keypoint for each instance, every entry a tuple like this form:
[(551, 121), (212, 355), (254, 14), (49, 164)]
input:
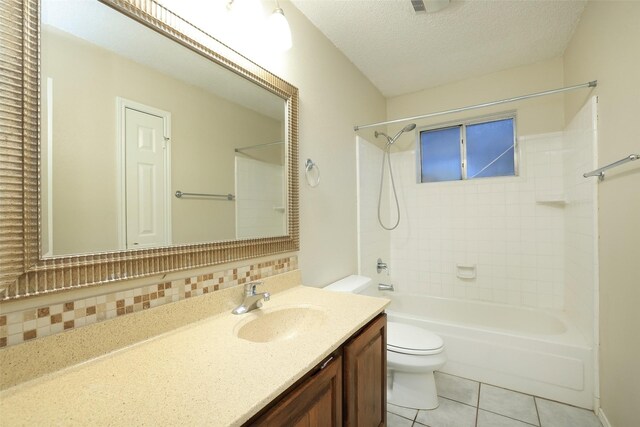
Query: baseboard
[(603, 418)]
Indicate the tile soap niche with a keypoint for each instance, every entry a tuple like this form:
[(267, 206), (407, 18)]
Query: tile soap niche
[(467, 272)]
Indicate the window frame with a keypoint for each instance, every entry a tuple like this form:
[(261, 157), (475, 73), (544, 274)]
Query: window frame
[(462, 124)]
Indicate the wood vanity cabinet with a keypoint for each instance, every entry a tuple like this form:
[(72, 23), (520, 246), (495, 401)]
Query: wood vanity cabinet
[(317, 402), (365, 376), (347, 389)]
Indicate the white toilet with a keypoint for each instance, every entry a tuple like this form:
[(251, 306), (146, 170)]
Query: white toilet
[(413, 354)]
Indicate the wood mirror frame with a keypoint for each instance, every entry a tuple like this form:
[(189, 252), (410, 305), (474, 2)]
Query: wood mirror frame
[(23, 272)]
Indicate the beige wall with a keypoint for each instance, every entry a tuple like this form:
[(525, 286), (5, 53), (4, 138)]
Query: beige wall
[(606, 47), (205, 131), (535, 116), (334, 96)]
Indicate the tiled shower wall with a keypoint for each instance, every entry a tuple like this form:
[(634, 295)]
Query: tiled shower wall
[(580, 219), (528, 240), (25, 325), (508, 232), (260, 200), (373, 241)]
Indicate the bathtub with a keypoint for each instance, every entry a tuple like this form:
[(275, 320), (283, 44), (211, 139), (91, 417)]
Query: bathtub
[(534, 351)]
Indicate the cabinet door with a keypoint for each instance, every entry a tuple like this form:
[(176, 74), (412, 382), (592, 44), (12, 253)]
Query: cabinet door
[(365, 376), (317, 402)]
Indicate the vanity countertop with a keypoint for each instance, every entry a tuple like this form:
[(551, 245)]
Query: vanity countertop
[(199, 374)]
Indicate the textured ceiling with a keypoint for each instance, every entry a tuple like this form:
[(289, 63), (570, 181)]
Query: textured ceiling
[(402, 52)]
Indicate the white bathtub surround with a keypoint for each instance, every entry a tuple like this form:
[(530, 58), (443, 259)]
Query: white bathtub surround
[(581, 230), (527, 240), (509, 228), (373, 240), (260, 199), (581, 258), (526, 244), (532, 351)]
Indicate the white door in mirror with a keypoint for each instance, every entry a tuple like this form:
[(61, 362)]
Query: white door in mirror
[(145, 180)]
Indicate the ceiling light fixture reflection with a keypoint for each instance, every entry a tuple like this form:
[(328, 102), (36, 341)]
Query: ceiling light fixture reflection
[(279, 29)]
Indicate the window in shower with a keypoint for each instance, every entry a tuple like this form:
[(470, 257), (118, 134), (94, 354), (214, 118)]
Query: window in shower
[(474, 149)]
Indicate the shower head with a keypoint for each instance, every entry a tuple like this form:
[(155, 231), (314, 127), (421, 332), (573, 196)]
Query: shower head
[(407, 128)]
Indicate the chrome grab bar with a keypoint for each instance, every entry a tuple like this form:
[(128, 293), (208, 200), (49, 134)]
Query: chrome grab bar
[(600, 172), (180, 194)]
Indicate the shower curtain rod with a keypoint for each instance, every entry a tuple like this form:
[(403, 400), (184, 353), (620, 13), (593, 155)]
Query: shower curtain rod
[(593, 83), (239, 150)]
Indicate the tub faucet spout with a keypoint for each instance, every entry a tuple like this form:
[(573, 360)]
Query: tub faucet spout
[(252, 299)]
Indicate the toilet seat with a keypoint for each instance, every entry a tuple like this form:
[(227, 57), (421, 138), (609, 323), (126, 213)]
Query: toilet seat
[(409, 339)]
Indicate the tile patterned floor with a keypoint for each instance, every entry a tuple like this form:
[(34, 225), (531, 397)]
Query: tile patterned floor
[(467, 403)]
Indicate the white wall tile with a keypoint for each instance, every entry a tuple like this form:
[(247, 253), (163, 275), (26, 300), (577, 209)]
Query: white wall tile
[(579, 263), (525, 249), (494, 223)]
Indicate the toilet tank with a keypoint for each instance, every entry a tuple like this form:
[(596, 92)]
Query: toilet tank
[(353, 284)]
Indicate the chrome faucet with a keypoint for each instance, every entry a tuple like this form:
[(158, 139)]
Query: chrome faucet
[(252, 300)]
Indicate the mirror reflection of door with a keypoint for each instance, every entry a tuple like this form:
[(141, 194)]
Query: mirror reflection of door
[(146, 179), (212, 110)]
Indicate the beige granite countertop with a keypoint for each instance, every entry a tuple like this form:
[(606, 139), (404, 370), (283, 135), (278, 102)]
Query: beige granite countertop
[(199, 374)]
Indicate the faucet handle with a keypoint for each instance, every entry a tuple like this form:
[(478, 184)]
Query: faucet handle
[(381, 266), (250, 288)]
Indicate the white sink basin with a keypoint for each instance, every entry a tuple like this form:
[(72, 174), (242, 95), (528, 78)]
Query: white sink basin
[(280, 324)]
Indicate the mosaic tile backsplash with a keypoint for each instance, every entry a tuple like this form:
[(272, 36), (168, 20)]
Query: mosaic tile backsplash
[(25, 325)]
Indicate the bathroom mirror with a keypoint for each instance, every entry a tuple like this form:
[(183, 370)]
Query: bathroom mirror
[(153, 148)]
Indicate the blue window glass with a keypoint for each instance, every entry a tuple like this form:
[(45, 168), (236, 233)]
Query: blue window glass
[(440, 154), (490, 149)]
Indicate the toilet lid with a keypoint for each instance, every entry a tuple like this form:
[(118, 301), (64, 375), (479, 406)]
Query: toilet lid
[(409, 339)]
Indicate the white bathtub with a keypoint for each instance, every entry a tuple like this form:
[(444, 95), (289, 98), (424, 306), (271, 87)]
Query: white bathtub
[(529, 350)]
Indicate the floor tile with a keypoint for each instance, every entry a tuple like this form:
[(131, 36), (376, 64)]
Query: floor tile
[(403, 412), (509, 403), (448, 414), (394, 420), (456, 388), (489, 419), (554, 414)]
